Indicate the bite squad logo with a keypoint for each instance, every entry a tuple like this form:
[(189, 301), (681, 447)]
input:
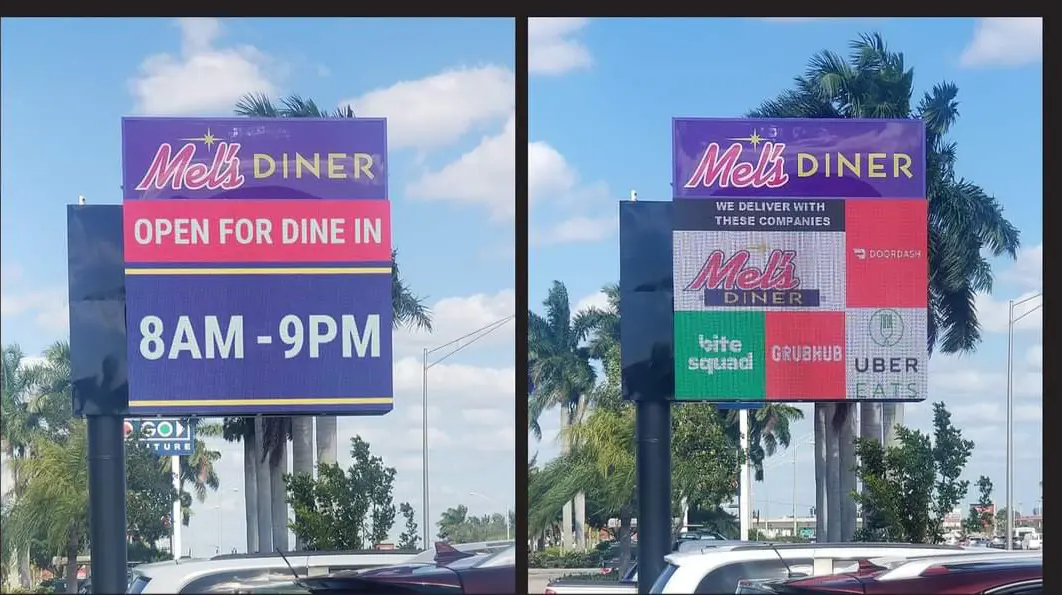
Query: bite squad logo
[(735, 281)]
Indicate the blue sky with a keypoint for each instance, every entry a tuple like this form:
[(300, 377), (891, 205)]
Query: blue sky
[(447, 88), (602, 95)]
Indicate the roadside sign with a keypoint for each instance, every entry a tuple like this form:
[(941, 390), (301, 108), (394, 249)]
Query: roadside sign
[(258, 266), (165, 435), (799, 255)]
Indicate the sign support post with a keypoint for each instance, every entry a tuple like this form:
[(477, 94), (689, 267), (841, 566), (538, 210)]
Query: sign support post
[(744, 479), (106, 454), (175, 471), (653, 427)]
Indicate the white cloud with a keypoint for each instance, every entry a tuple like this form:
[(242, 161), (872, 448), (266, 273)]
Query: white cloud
[(993, 314), (456, 385), (47, 307), (552, 179), (488, 416), (1027, 273), (458, 316), (594, 300), (970, 382), (551, 48), (202, 77), (484, 176), (440, 109), (976, 413), (548, 172), (576, 230), (1005, 41), (1034, 356), (1028, 269)]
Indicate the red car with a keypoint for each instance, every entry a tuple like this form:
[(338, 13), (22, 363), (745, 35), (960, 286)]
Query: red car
[(970, 574)]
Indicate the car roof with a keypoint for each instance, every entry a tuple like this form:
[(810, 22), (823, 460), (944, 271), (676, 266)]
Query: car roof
[(975, 561), (175, 574), (700, 545), (763, 550)]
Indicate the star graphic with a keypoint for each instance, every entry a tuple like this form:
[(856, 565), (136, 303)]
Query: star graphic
[(760, 248), (207, 139), (755, 139)]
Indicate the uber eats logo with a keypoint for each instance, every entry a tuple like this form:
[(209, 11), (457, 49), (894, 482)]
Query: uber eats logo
[(886, 376)]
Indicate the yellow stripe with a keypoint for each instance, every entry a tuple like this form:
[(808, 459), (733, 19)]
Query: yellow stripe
[(264, 271), (249, 402)]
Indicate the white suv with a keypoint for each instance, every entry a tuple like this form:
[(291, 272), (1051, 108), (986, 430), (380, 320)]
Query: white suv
[(718, 571)]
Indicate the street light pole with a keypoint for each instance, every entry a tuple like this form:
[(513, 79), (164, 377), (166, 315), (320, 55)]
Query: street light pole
[(457, 345), (1011, 321)]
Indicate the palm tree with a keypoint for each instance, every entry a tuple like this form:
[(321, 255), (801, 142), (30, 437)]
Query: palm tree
[(561, 376), (768, 429), (409, 310), (197, 469), (54, 503), (599, 458), (963, 219), (21, 407)]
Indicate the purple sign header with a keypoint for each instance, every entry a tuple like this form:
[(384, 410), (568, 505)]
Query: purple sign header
[(254, 158), (798, 158)]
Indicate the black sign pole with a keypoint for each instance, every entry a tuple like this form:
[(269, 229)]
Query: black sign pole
[(653, 427), (106, 454), (647, 340), (96, 271)]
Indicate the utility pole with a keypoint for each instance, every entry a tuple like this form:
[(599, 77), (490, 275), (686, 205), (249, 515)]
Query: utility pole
[(458, 344)]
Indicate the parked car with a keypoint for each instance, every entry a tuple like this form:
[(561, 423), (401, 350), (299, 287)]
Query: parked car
[(997, 573), (629, 582), (719, 570), (233, 573), (1032, 541), (453, 571)]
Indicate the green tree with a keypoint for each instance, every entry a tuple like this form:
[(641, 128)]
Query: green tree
[(344, 511), (409, 538), (560, 375), (54, 503), (906, 487), (20, 420), (149, 496), (979, 520), (1001, 520), (36, 402), (950, 453), (457, 526), (602, 462)]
